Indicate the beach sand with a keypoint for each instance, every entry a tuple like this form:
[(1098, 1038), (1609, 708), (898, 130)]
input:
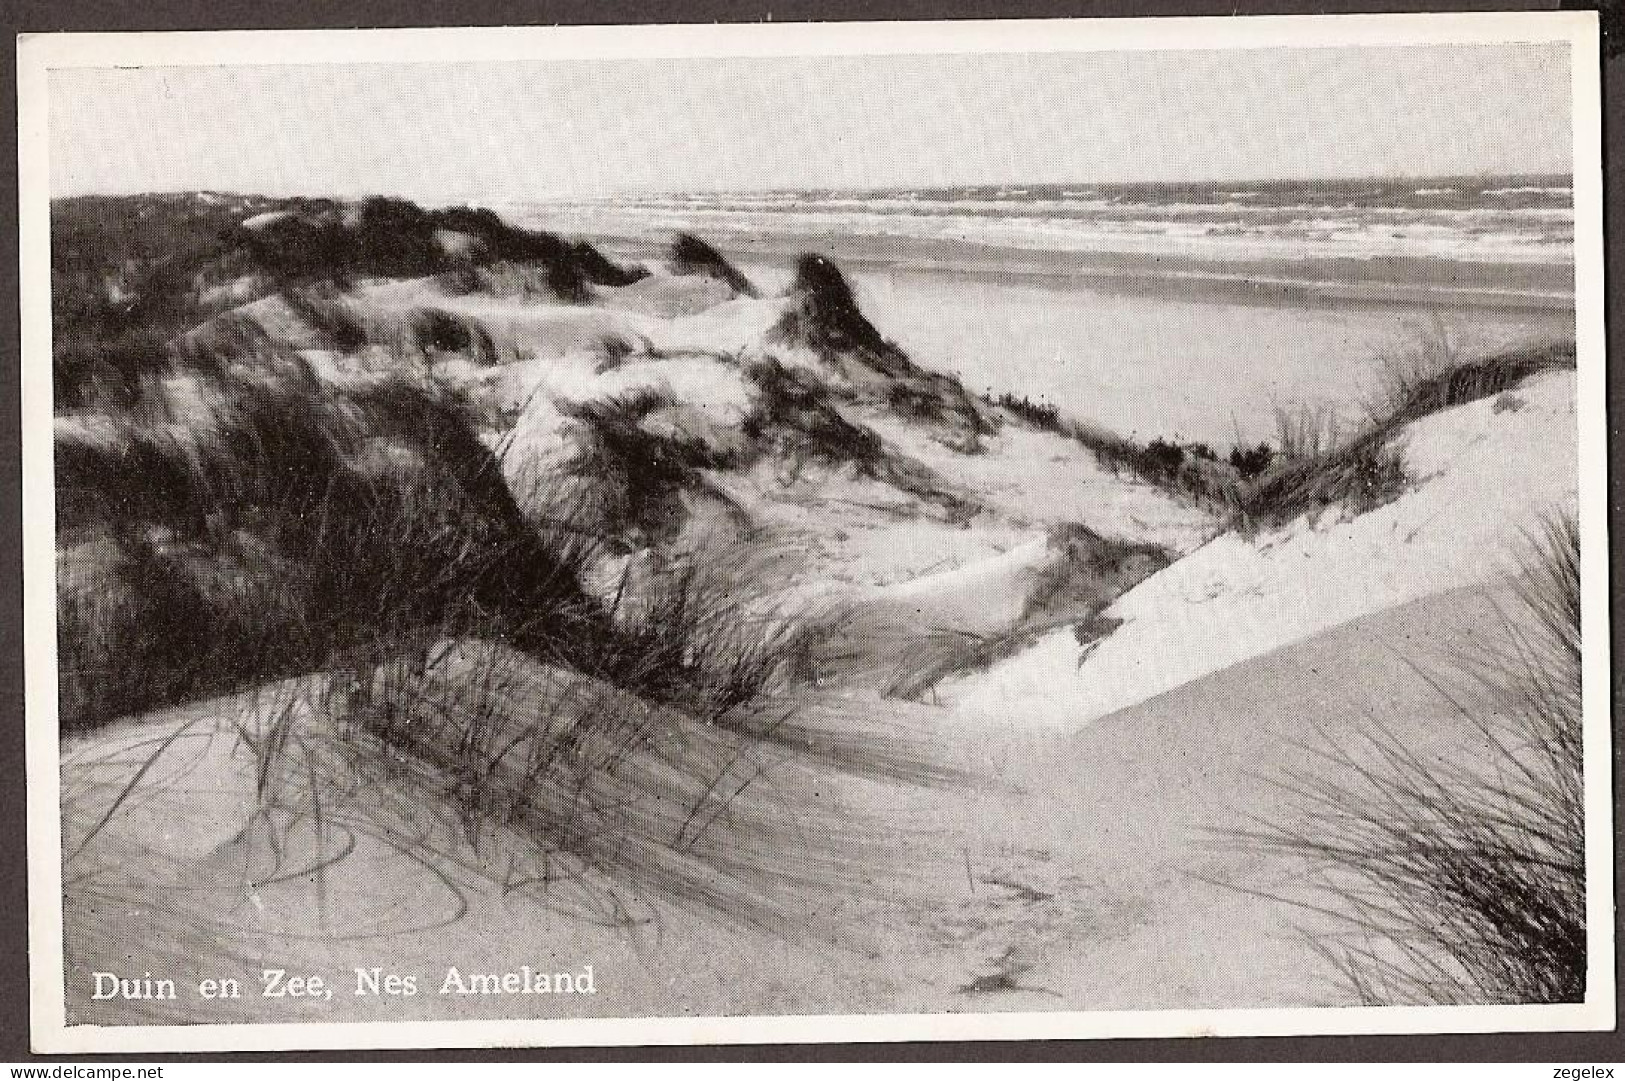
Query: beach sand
[(1146, 365), (1200, 362)]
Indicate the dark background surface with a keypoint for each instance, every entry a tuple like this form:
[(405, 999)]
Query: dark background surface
[(19, 16)]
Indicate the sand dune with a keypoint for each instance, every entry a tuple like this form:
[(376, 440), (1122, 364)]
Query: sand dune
[(1078, 872), (1014, 688), (1487, 473)]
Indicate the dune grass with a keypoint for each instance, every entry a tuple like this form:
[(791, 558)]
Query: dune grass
[(323, 241), (708, 621), (331, 555), (1315, 466), (1313, 463), (823, 317), (1314, 469), (327, 313), (691, 255), (1044, 416), (632, 479), (345, 560), (490, 772), (132, 273), (797, 418), (302, 524), (255, 522), (1463, 881), (796, 414), (1431, 378)]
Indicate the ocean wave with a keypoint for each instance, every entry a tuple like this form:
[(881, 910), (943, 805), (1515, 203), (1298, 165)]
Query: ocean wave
[(1563, 190), (1233, 223), (1102, 209)]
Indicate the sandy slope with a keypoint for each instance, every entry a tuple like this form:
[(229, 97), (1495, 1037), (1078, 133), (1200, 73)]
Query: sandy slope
[(1485, 474), (1068, 871), (192, 883), (1118, 822)]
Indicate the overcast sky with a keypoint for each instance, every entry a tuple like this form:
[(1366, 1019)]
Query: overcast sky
[(536, 129)]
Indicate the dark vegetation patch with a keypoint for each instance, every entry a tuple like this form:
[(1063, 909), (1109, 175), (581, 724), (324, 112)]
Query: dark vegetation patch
[(139, 263), (1359, 474), (395, 238), (633, 479), (1041, 415), (706, 619), (1311, 465), (131, 273), (1314, 468), (288, 524), (691, 255), (1191, 471), (918, 663), (824, 317), (797, 421), (796, 416), (127, 275), (247, 520), (437, 331), (1091, 572), (1250, 462), (1162, 459), (324, 310), (90, 370), (1416, 391)]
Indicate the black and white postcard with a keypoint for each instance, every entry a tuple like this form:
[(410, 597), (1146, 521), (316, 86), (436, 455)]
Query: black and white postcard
[(705, 534)]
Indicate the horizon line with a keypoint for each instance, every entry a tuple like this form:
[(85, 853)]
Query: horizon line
[(932, 186)]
